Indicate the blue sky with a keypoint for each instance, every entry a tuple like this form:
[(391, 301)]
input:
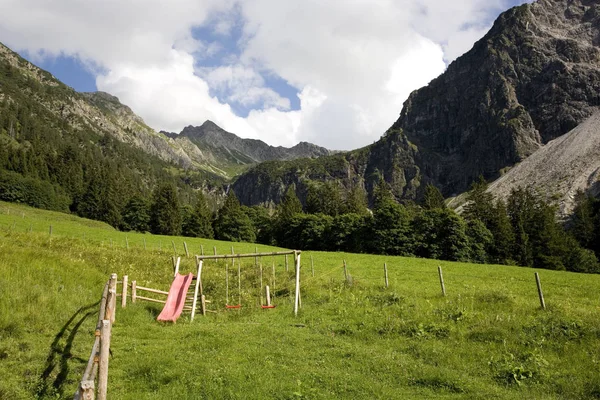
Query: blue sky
[(68, 69), (327, 72)]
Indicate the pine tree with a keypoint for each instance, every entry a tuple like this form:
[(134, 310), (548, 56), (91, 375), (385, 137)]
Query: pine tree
[(136, 214), (263, 223), (442, 234), (199, 221), (382, 194), (479, 202), (539, 239), (232, 223), (356, 200), (585, 221), (480, 240), (90, 204), (331, 199), (289, 206), (433, 198), (313, 200), (165, 214), (390, 232), (501, 247)]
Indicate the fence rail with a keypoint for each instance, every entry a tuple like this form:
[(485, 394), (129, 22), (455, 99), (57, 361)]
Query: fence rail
[(97, 366)]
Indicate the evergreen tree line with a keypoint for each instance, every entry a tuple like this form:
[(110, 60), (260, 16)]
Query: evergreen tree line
[(46, 163), (521, 231)]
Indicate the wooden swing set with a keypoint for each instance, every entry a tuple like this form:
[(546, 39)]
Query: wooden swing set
[(296, 253)]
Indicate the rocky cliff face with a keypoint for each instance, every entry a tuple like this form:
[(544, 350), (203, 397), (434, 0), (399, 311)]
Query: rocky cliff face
[(533, 77), (393, 158)]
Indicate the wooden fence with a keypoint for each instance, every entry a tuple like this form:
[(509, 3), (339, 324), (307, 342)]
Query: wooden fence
[(97, 366)]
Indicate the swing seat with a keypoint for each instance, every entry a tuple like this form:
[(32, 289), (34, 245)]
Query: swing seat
[(230, 307), (264, 307)]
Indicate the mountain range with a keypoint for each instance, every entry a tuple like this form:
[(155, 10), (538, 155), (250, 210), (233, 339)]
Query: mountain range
[(227, 154), (521, 107)]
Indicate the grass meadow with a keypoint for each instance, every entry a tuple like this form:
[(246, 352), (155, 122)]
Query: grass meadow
[(487, 339)]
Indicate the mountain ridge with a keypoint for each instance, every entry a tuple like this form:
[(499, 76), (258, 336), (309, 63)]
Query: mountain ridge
[(104, 113), (532, 78)]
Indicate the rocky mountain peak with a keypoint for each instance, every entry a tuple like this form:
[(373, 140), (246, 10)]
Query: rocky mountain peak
[(533, 77), (208, 124)]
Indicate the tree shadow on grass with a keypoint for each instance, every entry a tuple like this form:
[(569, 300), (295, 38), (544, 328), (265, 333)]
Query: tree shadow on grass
[(153, 310), (55, 373)]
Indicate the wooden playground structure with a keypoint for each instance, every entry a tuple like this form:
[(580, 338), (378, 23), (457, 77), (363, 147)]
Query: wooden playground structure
[(177, 301), (187, 292)]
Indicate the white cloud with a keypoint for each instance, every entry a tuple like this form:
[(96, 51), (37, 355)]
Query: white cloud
[(243, 85), (353, 62)]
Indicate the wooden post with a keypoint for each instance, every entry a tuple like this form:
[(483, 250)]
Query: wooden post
[(273, 268), (200, 264), (144, 243), (30, 227), (160, 245), (385, 274), (198, 288), (215, 250), (124, 292), (261, 284), (104, 353), (203, 304), (442, 280), (187, 253), (113, 277), (232, 250), (86, 390), (539, 288), (239, 282), (226, 283), (176, 262), (126, 242), (111, 300), (50, 230), (268, 294), (256, 261), (286, 264), (297, 299), (133, 291), (174, 248), (312, 266), (345, 271)]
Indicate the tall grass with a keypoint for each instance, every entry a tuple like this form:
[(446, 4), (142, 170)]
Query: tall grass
[(488, 338)]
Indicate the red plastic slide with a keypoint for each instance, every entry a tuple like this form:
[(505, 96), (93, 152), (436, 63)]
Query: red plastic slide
[(176, 298)]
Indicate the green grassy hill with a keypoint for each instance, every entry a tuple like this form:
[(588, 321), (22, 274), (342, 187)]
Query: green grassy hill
[(488, 338)]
